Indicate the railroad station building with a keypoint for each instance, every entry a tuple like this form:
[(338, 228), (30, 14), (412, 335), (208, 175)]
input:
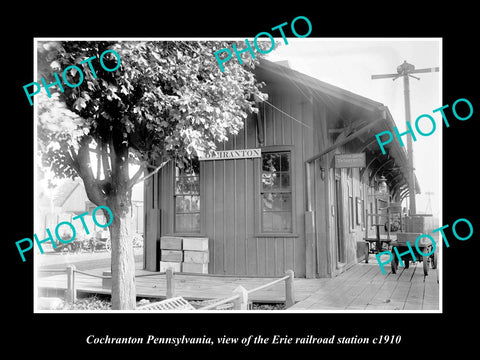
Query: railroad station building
[(297, 199)]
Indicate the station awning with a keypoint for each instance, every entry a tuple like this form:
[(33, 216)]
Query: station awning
[(358, 119)]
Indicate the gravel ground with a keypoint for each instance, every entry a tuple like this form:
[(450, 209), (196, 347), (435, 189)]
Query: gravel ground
[(102, 302)]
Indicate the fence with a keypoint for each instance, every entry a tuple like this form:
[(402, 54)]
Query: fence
[(71, 292), (240, 297)]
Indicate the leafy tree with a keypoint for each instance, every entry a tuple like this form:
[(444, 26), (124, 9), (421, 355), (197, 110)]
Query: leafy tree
[(167, 101)]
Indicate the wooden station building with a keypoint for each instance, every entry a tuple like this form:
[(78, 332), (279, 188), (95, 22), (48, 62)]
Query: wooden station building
[(278, 196)]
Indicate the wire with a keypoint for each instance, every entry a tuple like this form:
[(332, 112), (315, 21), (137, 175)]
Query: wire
[(290, 116)]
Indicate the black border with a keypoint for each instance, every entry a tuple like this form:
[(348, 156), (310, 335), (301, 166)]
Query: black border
[(421, 334)]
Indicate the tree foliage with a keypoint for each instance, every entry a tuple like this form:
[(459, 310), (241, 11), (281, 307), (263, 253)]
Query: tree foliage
[(167, 100)]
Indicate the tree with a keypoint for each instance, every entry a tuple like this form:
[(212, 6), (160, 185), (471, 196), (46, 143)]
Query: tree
[(166, 101)]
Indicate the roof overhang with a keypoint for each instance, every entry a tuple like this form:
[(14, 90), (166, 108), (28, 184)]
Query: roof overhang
[(361, 119)]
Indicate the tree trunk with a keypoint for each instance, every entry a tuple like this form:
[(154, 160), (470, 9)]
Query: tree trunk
[(123, 258), (114, 192)]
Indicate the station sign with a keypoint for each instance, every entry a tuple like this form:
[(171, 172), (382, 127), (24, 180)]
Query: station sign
[(355, 160), (232, 154)]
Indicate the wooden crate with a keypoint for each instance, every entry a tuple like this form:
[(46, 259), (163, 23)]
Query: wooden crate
[(164, 265), (420, 224), (197, 244), (171, 243), (198, 257), (195, 268), (402, 238), (172, 255)]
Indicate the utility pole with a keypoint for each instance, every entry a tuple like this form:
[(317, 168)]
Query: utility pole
[(428, 207), (406, 70)]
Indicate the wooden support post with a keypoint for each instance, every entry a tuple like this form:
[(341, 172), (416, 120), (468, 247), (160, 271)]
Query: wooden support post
[(107, 282), (310, 244), (367, 251), (289, 289), (242, 302), (71, 295), (170, 283)]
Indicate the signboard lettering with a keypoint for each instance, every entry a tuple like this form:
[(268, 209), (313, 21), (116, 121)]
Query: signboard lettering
[(232, 154), (356, 160)]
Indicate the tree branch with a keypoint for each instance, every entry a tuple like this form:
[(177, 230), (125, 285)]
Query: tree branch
[(72, 158), (105, 163), (135, 177), (93, 186), (99, 160), (113, 157)]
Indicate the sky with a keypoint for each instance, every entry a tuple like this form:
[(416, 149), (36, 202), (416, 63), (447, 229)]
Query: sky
[(349, 64)]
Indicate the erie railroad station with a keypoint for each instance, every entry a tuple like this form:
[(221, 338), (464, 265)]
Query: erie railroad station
[(303, 187)]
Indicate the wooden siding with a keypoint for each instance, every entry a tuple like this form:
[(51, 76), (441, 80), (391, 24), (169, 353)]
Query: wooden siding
[(230, 198), (231, 201)]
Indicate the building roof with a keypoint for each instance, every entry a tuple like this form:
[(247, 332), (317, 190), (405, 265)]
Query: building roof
[(364, 119), (64, 191)]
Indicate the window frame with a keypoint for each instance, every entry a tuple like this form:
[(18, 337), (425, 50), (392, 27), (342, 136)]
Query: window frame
[(174, 203), (259, 230), (350, 204)]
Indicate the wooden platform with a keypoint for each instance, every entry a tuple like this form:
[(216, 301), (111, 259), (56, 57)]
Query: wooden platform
[(190, 287), (362, 287), (366, 288)]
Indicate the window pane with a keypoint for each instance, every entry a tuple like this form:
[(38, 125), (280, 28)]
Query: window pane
[(267, 222), (277, 221), (179, 222), (187, 222), (185, 204), (277, 202), (268, 180), (194, 222), (266, 162), (285, 181), (286, 221), (271, 162), (285, 161), (187, 185), (192, 167), (195, 203), (275, 181), (182, 204)]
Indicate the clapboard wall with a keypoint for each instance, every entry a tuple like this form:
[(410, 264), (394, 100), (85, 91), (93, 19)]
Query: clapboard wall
[(230, 194)]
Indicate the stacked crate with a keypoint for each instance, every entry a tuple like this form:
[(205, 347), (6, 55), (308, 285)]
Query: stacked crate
[(418, 224), (184, 254), (414, 227), (171, 254), (195, 255), (411, 237)]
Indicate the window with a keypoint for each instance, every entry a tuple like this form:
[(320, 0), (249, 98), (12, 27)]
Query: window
[(187, 197), (351, 208), (361, 206), (370, 218), (276, 192), (351, 212), (359, 211)]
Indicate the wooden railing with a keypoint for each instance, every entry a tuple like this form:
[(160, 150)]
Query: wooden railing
[(71, 292), (240, 297)]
